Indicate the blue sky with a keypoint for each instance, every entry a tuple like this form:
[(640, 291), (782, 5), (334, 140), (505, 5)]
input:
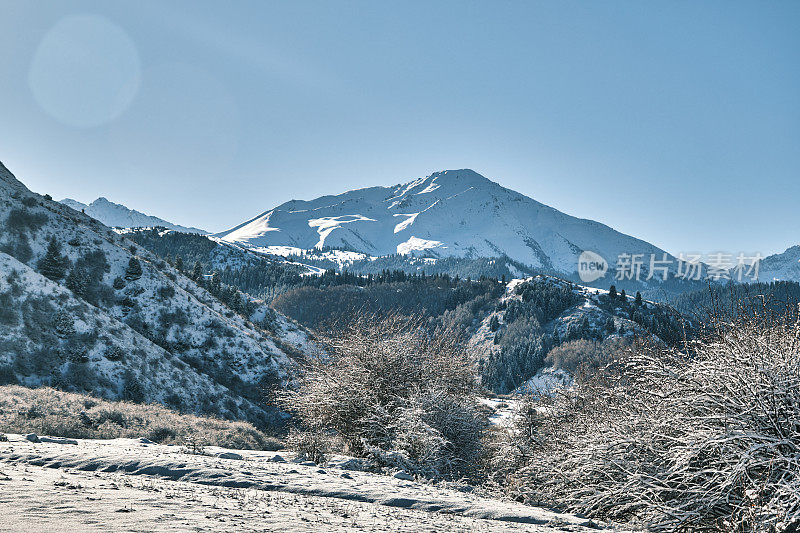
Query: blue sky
[(675, 122)]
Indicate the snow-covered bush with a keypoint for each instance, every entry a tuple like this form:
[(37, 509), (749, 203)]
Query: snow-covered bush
[(391, 391), (704, 440)]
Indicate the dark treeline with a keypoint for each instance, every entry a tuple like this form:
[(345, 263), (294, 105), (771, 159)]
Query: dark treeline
[(736, 300), (268, 279), (389, 293)]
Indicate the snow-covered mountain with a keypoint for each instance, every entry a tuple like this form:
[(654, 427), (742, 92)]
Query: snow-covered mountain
[(450, 213), (119, 216), (784, 266)]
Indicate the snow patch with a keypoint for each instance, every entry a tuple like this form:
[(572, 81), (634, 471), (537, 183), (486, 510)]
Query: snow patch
[(406, 223), (326, 225), (415, 244)]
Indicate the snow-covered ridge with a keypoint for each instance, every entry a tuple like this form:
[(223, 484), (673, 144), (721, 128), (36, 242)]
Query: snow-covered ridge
[(451, 213), (119, 216)]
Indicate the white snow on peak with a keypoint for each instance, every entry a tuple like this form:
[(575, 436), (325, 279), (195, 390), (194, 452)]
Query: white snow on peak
[(432, 186), (120, 216), (455, 212), (254, 228)]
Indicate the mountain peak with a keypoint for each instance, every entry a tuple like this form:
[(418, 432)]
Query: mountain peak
[(118, 215), (455, 212), (463, 175)]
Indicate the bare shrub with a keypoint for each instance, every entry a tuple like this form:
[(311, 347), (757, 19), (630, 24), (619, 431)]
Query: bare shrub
[(708, 439), (391, 391), (586, 355)]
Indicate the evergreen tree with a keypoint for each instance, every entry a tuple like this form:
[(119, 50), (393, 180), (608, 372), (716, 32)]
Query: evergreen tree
[(179, 264), (134, 270), (216, 283), (197, 271), (623, 296), (638, 300), (53, 265), (612, 292), (119, 283), (78, 281)]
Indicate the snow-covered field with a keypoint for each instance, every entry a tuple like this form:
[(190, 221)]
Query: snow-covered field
[(134, 485)]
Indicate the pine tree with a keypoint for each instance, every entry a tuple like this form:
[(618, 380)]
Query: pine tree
[(623, 296), (179, 264), (197, 271), (638, 300), (134, 270), (216, 283), (612, 292), (77, 281), (53, 265)]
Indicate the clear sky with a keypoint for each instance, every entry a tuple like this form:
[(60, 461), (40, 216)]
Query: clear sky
[(676, 122)]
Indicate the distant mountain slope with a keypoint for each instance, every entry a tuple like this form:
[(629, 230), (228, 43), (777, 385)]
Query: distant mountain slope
[(119, 216), (84, 308), (784, 266), (449, 213)]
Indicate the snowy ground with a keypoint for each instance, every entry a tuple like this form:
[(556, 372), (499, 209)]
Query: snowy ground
[(129, 485)]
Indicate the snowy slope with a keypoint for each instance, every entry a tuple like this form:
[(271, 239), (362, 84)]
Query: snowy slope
[(106, 366), (182, 323), (449, 213), (119, 216), (784, 266), (163, 488)]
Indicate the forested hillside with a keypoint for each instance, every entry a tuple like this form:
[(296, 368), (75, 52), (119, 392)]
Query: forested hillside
[(741, 299)]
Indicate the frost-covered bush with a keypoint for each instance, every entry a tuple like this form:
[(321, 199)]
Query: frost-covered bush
[(9, 316), (392, 392), (63, 324), (7, 375), (22, 220), (705, 440), (19, 247)]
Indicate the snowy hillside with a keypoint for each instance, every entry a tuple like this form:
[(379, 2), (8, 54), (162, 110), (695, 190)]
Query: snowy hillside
[(79, 298), (449, 213), (57, 339), (784, 266), (118, 216)]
